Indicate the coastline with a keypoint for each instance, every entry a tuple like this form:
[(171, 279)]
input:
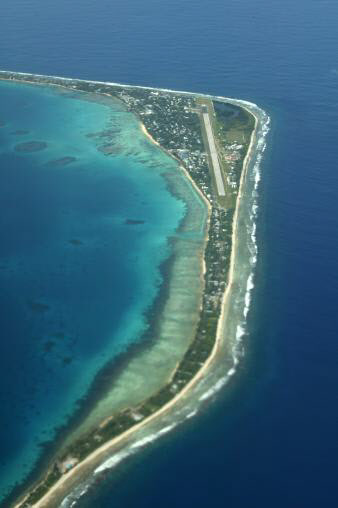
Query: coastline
[(60, 487), (193, 183), (54, 447), (221, 330)]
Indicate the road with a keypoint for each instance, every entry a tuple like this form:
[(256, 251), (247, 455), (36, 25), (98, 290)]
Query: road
[(213, 154)]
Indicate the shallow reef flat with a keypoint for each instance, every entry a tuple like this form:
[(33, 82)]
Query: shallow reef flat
[(194, 319), (76, 270)]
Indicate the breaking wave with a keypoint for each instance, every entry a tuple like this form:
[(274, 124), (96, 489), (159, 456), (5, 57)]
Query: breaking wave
[(216, 380)]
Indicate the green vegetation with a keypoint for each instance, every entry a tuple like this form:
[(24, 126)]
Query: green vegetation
[(51, 478), (174, 121), (232, 127)]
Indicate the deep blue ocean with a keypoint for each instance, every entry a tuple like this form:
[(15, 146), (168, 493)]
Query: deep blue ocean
[(270, 437)]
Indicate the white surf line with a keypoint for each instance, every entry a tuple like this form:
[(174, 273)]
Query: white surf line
[(213, 154), (251, 108)]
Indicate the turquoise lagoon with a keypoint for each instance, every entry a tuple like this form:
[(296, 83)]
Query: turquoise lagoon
[(87, 240)]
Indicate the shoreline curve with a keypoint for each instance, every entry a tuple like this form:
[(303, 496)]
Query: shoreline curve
[(69, 477), (61, 487)]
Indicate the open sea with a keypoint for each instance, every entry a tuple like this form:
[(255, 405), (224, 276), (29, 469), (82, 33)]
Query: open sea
[(269, 436)]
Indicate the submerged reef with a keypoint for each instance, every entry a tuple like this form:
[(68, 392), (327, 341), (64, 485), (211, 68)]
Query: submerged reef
[(64, 161), (208, 137), (31, 146)]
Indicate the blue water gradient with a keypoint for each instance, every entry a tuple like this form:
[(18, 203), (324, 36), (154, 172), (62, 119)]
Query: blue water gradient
[(270, 439), (76, 278)]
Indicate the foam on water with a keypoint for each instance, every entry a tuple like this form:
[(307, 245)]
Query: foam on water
[(72, 499), (112, 461), (240, 332), (217, 386), (153, 437), (191, 414), (118, 457), (215, 379)]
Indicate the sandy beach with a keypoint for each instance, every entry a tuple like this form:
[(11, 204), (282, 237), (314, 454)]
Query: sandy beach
[(64, 484), (197, 189)]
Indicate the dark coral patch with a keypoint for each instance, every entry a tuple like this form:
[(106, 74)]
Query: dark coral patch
[(31, 146), (133, 222), (111, 149), (48, 346), (75, 241), (37, 306), (64, 161), (67, 360)]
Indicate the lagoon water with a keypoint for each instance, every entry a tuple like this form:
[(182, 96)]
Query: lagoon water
[(77, 274), (269, 437)]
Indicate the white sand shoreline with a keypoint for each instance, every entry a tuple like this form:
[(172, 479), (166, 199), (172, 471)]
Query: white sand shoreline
[(66, 480), (197, 189)]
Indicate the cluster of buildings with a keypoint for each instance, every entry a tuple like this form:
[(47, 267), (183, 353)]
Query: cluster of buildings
[(173, 121)]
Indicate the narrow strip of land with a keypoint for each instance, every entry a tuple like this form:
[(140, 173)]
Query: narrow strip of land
[(213, 154), (188, 145)]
